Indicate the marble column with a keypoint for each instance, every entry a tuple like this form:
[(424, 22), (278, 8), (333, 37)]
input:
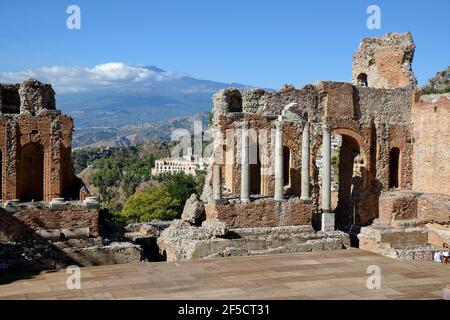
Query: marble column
[(217, 182), (327, 215), (245, 166), (279, 170), (305, 192)]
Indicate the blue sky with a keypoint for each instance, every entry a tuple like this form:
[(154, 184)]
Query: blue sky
[(261, 43)]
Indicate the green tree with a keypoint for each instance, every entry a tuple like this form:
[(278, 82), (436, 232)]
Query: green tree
[(152, 204), (180, 186)]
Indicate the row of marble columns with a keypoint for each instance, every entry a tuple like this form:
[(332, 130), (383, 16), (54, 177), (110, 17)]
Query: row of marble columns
[(327, 215)]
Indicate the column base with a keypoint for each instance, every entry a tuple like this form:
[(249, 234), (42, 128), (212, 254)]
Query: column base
[(328, 221), (306, 199), (244, 200)]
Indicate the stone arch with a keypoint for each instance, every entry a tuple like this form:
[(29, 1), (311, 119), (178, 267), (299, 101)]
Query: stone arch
[(362, 80), (234, 101), (352, 177), (31, 172)]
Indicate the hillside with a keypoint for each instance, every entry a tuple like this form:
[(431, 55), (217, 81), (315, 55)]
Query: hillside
[(136, 134), (440, 83)]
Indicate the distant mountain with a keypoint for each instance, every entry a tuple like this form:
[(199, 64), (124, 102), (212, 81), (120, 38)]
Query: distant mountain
[(131, 135), (162, 96), (116, 103)]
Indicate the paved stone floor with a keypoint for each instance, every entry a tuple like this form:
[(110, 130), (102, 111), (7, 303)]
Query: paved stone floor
[(318, 275)]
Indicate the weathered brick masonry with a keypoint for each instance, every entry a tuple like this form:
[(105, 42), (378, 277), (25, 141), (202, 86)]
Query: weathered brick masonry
[(36, 175)]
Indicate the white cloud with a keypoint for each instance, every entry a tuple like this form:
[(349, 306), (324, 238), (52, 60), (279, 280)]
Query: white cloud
[(112, 75)]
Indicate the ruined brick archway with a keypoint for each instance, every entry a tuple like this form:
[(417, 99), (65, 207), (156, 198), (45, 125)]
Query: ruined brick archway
[(31, 173), (352, 178)]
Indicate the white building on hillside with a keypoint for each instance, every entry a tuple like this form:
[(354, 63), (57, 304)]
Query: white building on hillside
[(188, 164)]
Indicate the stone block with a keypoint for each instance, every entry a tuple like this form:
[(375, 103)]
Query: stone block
[(398, 205), (215, 227), (76, 233), (193, 209), (92, 203), (48, 234), (433, 208), (58, 204)]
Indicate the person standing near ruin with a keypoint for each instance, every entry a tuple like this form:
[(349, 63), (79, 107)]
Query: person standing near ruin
[(445, 253)]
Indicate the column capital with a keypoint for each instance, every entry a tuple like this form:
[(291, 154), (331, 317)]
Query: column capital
[(279, 124), (305, 125), (326, 129), (245, 124)]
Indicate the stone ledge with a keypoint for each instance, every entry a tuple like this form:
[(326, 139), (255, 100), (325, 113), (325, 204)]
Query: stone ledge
[(401, 243), (187, 243)]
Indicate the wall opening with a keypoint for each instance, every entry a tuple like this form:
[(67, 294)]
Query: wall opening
[(394, 165), (31, 173), (255, 174), (10, 101), (235, 102), (254, 163), (348, 179), (362, 80), (286, 165)]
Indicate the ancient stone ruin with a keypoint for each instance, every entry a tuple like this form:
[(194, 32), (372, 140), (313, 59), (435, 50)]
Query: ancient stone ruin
[(324, 167), (271, 176), (41, 197)]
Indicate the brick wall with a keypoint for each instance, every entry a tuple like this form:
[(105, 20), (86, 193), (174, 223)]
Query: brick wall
[(431, 118), (262, 213), (22, 224)]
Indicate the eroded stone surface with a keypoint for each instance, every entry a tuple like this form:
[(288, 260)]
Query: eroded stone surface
[(193, 209), (385, 61), (183, 242)]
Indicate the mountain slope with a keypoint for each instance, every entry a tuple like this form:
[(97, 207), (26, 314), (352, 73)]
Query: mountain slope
[(161, 97)]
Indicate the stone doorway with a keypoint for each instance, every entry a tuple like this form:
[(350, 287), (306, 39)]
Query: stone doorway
[(348, 179), (31, 173)]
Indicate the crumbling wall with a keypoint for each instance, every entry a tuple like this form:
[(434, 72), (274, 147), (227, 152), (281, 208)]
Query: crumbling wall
[(39, 124), (261, 213), (431, 118), (410, 205), (23, 222), (376, 119), (9, 98), (36, 97), (384, 62)]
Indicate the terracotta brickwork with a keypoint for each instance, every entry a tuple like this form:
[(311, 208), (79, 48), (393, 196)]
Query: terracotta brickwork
[(385, 62), (381, 135), (261, 213), (23, 223), (372, 122), (35, 145), (431, 118)]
